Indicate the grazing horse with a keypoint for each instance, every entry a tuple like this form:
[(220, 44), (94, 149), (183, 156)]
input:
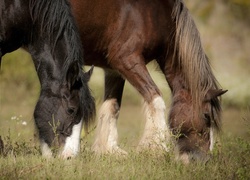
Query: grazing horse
[(122, 36), (47, 30)]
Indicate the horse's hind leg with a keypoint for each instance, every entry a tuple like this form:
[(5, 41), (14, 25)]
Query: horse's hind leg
[(107, 136), (155, 134)]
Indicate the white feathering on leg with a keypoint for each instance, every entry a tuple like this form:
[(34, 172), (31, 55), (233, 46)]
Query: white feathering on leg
[(107, 135), (156, 133)]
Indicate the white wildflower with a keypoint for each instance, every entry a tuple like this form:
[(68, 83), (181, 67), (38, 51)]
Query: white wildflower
[(24, 123)]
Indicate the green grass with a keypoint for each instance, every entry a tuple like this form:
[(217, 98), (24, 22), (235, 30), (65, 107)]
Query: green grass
[(230, 160)]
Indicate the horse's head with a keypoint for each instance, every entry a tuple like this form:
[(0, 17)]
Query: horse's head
[(61, 110), (193, 126)]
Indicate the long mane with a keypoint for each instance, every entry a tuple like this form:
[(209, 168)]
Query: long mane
[(192, 60), (54, 20)]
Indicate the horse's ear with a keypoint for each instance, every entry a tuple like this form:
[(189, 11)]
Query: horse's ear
[(72, 74), (89, 73), (213, 93)]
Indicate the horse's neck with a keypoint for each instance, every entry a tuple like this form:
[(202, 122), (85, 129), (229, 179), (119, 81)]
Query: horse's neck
[(49, 60)]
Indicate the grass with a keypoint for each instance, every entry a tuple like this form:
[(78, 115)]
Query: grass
[(230, 160)]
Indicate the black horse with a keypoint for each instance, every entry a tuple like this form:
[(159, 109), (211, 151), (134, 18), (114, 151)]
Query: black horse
[(47, 30)]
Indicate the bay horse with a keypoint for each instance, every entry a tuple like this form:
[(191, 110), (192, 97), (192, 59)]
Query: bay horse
[(122, 36), (47, 30)]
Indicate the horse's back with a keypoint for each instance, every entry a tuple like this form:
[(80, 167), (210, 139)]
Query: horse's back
[(111, 28)]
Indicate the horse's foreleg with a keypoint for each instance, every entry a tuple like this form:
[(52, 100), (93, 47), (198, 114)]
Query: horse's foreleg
[(156, 133), (107, 135)]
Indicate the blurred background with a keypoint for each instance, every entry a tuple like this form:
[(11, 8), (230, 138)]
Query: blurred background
[(224, 27)]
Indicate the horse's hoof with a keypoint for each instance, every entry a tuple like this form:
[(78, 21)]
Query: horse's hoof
[(118, 151), (112, 150), (147, 145), (67, 154)]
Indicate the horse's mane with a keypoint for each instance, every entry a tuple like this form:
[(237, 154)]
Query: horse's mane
[(192, 60), (54, 20)]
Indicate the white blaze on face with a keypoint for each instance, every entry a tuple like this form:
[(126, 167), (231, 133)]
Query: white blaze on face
[(211, 139), (46, 152), (72, 143)]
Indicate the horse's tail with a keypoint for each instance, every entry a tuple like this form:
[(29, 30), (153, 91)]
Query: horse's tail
[(192, 60)]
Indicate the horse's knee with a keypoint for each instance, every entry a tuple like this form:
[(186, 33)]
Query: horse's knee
[(110, 107)]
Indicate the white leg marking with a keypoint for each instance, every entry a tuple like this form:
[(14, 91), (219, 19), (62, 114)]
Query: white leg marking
[(72, 143), (211, 139), (156, 133), (107, 135), (46, 151)]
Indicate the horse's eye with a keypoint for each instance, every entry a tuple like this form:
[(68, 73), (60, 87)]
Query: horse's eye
[(71, 110), (207, 119), (207, 116)]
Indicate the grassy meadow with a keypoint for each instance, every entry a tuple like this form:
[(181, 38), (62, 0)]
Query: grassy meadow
[(228, 48)]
